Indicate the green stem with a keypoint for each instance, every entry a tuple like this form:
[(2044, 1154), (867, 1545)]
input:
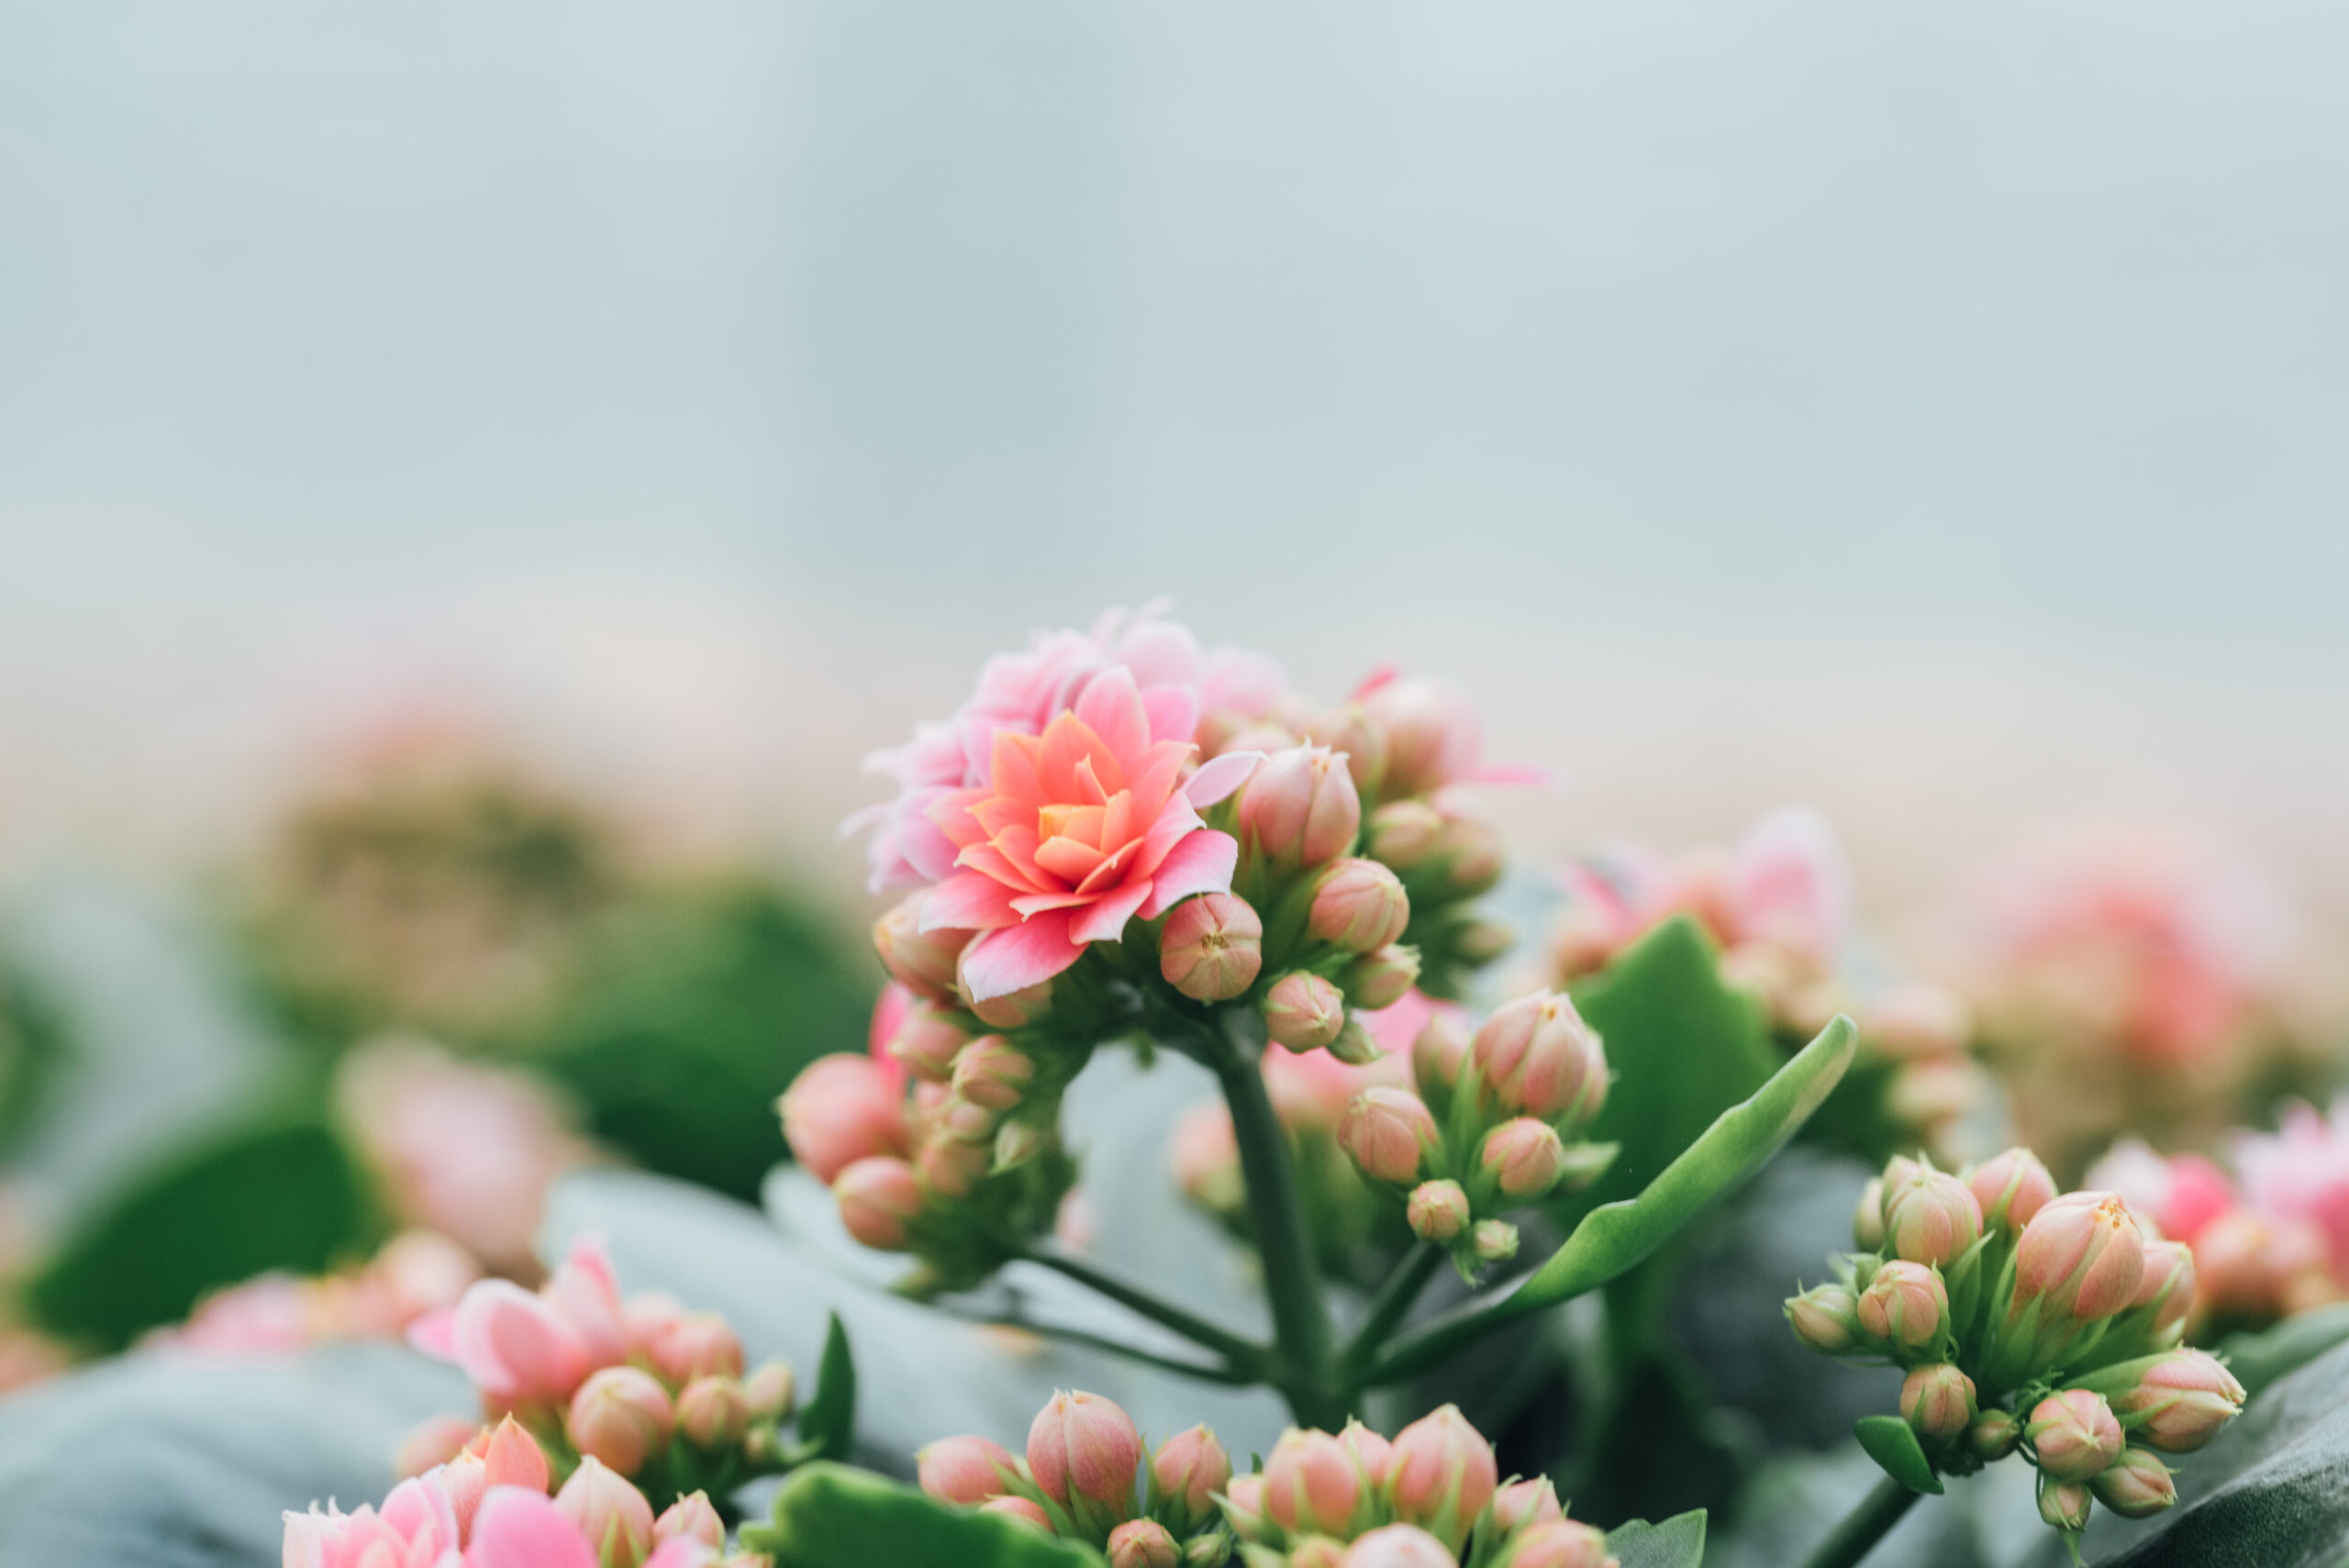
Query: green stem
[(1244, 1355), (1237, 1377), (1439, 1337), (1394, 1299), (1865, 1525)]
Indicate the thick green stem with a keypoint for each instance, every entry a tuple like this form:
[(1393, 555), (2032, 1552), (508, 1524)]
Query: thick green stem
[(1863, 1527), (1391, 1303), (1243, 1355), (1439, 1337)]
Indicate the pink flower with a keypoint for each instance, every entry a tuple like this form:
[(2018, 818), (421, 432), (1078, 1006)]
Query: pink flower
[(890, 1011), (1786, 883), (2181, 1197), (1077, 830), (1432, 738), (520, 1347), (2302, 1174), (416, 1528), (518, 1529), (843, 1108)]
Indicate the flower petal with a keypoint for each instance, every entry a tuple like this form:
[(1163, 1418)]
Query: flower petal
[(520, 1529), (1175, 821), (1111, 707), (1174, 712), (1220, 776), (1200, 863), (1104, 921), (1019, 956), (968, 901)]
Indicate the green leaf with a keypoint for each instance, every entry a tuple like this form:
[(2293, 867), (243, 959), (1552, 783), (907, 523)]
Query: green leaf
[(828, 1516), (830, 1419), (1892, 1443), (2258, 1359), (1678, 1542), (283, 1197)]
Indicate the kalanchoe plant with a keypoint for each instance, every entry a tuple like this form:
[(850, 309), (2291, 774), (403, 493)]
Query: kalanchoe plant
[(2028, 1322)]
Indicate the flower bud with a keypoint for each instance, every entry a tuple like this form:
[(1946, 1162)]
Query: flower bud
[(1315, 1551), (1398, 1546), (1300, 807), (1525, 1502), (1382, 978), (1470, 853), (1537, 1056), (1867, 1217), (435, 1440), (1523, 1157), (1369, 1451), (2012, 1188), (1478, 941), (922, 961), (2082, 1254), (1304, 1012), (1389, 1134), (1826, 1319), (964, 1470), (690, 1518), (1082, 1451), (513, 1458), (2136, 1485), (769, 1390), (1402, 832), (1244, 1507), (620, 1416), (1993, 1435), (1358, 905), (1441, 1475), (713, 1412), (1212, 1550), (2074, 1434), (1185, 1473), (1013, 1010), (950, 1167), (1938, 1401), (876, 1199), (1430, 732), (612, 1515), (2167, 1285), (1021, 1510), (1493, 1240), (2064, 1504), (1558, 1544), (1437, 1211), (1906, 1304), (694, 1345), (992, 1073), (1932, 1094), (1311, 1484), (1437, 1052), (1932, 1218), (1142, 1543), (1212, 948), (2181, 1402), (841, 1110), (1353, 1046), (926, 1043)]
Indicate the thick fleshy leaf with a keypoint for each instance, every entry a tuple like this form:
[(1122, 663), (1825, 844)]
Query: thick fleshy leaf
[(828, 1423), (2258, 1359), (1892, 1443), (1678, 1542), (828, 1516)]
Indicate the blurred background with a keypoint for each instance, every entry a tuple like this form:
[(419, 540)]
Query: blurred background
[(475, 482)]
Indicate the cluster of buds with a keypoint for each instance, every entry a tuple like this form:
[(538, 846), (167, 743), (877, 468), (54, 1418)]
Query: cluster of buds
[(639, 1387), (1487, 1130), (2027, 1321), (500, 1502), (418, 1272)]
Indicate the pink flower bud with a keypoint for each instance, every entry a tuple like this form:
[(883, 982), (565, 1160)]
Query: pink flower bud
[(713, 1412), (1402, 832), (1315, 1551), (1536, 1055), (1993, 1435), (692, 1345), (690, 1518), (612, 1515), (1014, 1010), (465, 1481), (1369, 1451), (950, 1167), (1312, 1483), (1300, 807), (1212, 948), (1938, 1401), (2073, 1433), (1437, 1211), (1081, 1450), (2064, 1504), (1441, 1475), (1304, 1012), (1382, 978), (1358, 905), (1905, 1303), (621, 1416), (1478, 941), (2012, 1188), (1916, 1022), (1142, 1543), (1389, 1134), (1470, 853), (922, 961), (2136, 1485), (1558, 1544), (964, 1470), (877, 1197), (1525, 1502), (1493, 1240), (1431, 731), (1021, 1511), (1932, 1218), (1244, 1507), (2082, 1254), (1437, 1052), (1399, 1546), (436, 1440), (2181, 1402), (993, 1074), (2167, 1285), (1867, 1217), (769, 1390), (1826, 1319), (1524, 1158), (841, 1110), (926, 1043), (512, 1458), (1187, 1472)]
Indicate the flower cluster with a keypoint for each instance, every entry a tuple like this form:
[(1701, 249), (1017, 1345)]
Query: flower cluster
[(489, 1505), (1349, 1500), (417, 1274), (2027, 1321), (1779, 902), (640, 1385), (2269, 1241)]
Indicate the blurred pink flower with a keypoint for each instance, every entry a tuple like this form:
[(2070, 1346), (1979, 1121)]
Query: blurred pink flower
[(2301, 1172), (2181, 1196), (517, 1528), (416, 1272), (416, 1528), (523, 1347)]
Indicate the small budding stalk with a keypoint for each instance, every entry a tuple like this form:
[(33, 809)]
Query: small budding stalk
[(2028, 1322), (1347, 1499)]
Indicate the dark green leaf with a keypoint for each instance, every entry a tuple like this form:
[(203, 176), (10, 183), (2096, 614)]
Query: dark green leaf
[(830, 1517), (830, 1420), (283, 1197), (1678, 1542), (2258, 1359), (1892, 1443)]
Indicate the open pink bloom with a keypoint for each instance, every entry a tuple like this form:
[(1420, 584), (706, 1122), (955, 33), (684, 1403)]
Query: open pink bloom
[(416, 1528), (520, 1346), (1786, 883), (1077, 830), (2181, 1196), (2302, 1174), (1433, 735), (521, 1529)]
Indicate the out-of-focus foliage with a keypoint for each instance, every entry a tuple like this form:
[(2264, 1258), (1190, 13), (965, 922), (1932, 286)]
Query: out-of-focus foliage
[(34, 1044)]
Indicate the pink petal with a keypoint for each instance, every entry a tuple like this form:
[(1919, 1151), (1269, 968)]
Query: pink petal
[(1383, 676), (1216, 779), (1176, 820), (1106, 920), (434, 1334), (520, 1529), (1034, 904), (968, 901), (1174, 712), (925, 846), (1200, 863), (1019, 956), (1111, 707)]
